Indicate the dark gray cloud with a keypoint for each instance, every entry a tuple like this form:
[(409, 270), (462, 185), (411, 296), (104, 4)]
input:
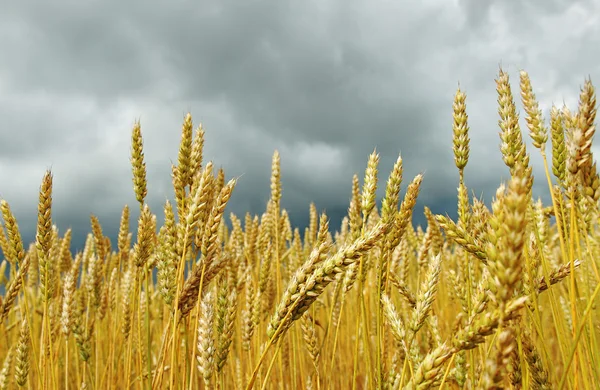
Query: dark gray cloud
[(323, 82)]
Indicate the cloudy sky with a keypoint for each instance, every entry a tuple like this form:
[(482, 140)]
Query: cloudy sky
[(324, 82)]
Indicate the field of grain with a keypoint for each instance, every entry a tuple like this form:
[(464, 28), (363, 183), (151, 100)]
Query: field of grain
[(502, 297)]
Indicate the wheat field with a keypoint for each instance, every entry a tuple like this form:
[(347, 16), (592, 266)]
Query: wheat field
[(502, 297)]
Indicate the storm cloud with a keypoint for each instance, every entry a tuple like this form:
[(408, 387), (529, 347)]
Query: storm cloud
[(324, 82)]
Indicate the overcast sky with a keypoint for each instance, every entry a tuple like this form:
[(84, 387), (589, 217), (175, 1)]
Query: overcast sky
[(323, 81)]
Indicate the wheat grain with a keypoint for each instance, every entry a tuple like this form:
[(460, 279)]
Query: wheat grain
[(500, 296)]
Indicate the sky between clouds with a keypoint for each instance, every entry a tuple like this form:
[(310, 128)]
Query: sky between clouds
[(324, 82)]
